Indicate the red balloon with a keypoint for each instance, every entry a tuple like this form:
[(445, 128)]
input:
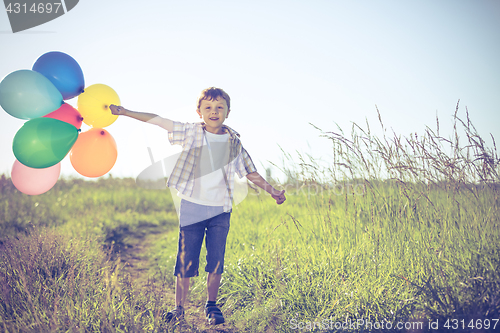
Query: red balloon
[(68, 114)]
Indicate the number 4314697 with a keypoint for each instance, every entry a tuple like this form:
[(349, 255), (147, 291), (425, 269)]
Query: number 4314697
[(18, 8), (474, 324)]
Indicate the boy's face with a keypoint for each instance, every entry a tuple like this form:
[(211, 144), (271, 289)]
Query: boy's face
[(213, 113)]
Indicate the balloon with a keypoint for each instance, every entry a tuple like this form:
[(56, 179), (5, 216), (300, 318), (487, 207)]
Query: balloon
[(27, 94), (63, 71), (33, 181), (43, 142), (94, 153), (94, 103), (68, 114)]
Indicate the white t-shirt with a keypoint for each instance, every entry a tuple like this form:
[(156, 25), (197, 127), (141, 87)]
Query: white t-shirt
[(210, 186)]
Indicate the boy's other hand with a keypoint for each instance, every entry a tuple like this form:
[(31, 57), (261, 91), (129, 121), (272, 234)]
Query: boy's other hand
[(117, 110), (279, 197)]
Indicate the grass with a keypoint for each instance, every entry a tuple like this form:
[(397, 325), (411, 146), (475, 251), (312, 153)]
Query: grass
[(60, 266), (360, 260), (390, 229)]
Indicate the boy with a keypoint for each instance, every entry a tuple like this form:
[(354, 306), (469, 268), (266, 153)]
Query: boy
[(204, 178)]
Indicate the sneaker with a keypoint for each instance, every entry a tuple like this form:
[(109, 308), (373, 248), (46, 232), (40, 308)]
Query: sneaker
[(214, 315), (175, 314)]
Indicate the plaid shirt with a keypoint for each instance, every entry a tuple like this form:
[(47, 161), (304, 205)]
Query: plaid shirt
[(190, 137)]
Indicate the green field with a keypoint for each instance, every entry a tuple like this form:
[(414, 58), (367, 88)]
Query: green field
[(394, 230)]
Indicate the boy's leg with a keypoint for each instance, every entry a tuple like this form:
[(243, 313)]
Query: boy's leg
[(186, 266), (217, 230), (212, 311), (216, 236), (188, 253), (213, 283), (181, 290)]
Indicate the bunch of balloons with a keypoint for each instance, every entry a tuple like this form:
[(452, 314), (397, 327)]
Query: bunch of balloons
[(52, 129)]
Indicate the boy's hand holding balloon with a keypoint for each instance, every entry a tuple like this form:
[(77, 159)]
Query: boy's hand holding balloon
[(117, 110)]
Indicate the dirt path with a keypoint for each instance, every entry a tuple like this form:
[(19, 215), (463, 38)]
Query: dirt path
[(138, 265)]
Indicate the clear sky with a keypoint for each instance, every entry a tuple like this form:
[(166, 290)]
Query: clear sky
[(285, 64)]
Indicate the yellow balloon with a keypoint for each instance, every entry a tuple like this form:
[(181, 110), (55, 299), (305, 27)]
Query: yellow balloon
[(93, 104)]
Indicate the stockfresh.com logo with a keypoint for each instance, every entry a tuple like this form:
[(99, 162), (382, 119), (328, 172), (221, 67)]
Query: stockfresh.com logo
[(28, 14)]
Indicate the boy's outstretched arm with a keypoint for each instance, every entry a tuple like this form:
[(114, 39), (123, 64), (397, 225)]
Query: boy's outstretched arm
[(257, 179), (142, 116)]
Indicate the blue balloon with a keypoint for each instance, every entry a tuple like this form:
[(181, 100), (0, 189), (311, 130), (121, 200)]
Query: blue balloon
[(27, 94), (63, 71)]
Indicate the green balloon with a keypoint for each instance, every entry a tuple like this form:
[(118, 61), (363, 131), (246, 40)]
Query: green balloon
[(43, 142)]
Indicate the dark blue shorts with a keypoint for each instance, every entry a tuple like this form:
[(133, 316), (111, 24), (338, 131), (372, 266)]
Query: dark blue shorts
[(215, 227)]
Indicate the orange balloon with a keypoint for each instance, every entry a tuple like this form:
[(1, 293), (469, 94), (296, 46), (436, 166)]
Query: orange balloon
[(94, 153)]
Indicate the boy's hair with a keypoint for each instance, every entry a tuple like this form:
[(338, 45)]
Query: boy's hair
[(213, 93)]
